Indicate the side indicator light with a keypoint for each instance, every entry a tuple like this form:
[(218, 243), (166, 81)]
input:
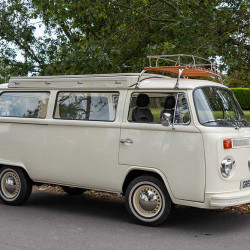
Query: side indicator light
[(227, 143)]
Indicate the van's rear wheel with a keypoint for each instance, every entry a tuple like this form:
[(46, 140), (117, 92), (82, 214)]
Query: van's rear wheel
[(148, 201), (73, 191), (15, 186)]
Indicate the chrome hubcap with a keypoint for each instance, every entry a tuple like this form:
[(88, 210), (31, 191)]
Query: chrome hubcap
[(10, 185), (147, 201)]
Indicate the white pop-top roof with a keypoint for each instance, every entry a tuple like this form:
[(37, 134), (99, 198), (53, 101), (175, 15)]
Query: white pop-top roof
[(104, 81)]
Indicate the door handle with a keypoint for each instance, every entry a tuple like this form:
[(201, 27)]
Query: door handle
[(127, 140)]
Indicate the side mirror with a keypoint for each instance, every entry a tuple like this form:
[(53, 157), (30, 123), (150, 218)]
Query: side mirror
[(167, 117)]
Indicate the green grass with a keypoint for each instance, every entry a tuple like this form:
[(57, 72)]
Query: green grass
[(247, 114), (156, 113)]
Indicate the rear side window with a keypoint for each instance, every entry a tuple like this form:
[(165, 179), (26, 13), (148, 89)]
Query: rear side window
[(90, 106), (24, 104)]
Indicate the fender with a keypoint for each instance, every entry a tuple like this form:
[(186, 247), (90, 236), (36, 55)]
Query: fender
[(13, 164), (152, 170), (164, 178)]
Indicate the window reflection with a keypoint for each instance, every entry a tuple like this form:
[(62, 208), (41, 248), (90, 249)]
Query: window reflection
[(217, 107), (24, 104), (94, 106)]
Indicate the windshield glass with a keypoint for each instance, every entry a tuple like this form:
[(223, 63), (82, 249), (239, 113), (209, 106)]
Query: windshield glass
[(218, 107)]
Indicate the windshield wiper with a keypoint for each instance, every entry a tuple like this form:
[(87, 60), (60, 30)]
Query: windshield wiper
[(242, 121), (216, 120)]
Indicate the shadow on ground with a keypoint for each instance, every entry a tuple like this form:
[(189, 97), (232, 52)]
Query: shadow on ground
[(195, 221)]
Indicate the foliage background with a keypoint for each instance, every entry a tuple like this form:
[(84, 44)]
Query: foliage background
[(102, 36), (243, 97)]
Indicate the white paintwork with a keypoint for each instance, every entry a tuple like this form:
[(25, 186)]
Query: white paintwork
[(104, 82), (89, 153), (230, 199), (159, 147)]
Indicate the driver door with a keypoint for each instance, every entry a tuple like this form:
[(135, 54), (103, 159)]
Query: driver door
[(177, 151)]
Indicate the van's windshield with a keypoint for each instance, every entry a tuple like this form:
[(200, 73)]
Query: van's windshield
[(218, 107)]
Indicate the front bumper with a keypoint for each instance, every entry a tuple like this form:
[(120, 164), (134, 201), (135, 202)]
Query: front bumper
[(230, 199)]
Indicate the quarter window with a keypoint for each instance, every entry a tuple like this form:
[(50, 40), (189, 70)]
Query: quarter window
[(182, 115), (91, 106), (24, 104)]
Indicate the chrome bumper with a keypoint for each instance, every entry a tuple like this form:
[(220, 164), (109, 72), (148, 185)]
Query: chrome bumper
[(230, 199)]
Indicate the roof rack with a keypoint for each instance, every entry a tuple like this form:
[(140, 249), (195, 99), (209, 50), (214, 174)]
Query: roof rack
[(179, 68)]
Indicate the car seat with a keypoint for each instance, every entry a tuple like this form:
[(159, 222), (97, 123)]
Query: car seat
[(141, 113)]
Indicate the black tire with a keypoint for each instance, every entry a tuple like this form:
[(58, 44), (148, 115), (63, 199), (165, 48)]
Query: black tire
[(73, 191), (15, 186), (148, 201)]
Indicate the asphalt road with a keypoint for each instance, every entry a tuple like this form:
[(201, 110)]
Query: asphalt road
[(57, 221)]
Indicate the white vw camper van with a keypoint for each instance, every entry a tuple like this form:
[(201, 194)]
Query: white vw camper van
[(159, 141)]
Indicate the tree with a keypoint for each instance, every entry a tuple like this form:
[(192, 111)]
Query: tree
[(102, 36)]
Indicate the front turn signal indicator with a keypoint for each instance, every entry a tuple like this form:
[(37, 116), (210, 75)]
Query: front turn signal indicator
[(227, 143)]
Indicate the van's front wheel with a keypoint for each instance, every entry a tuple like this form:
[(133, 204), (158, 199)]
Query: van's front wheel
[(148, 201), (15, 186)]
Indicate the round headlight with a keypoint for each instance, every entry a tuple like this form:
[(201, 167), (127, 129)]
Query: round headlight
[(226, 167)]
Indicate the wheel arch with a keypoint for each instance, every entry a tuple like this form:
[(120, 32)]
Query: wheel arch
[(19, 166), (136, 172)]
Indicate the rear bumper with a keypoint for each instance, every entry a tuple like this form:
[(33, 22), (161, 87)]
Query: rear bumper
[(230, 199)]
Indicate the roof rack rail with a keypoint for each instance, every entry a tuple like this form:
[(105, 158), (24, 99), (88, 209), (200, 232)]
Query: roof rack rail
[(208, 68)]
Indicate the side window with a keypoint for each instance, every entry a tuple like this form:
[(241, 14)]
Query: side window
[(91, 106), (24, 104), (182, 115), (149, 107)]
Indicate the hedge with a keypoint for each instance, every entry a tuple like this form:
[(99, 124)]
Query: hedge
[(243, 97)]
